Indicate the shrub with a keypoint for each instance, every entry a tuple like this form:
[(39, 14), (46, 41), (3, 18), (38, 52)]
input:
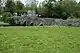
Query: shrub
[(12, 21), (0, 17), (6, 16), (77, 14), (64, 16)]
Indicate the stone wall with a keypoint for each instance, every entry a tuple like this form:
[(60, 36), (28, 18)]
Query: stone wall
[(46, 21)]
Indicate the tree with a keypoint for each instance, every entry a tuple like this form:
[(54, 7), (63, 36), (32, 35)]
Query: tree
[(64, 8), (6, 16), (10, 6), (42, 10), (19, 7), (77, 10), (49, 4), (60, 9), (0, 6), (12, 21)]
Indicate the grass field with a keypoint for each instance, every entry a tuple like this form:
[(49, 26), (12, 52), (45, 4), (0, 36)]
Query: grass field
[(40, 40)]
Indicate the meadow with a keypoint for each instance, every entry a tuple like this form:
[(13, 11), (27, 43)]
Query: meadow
[(40, 39)]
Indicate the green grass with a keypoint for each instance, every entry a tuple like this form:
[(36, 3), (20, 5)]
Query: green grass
[(40, 40)]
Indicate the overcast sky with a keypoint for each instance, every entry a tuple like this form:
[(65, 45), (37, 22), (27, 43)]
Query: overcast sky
[(78, 0), (37, 0), (23, 1)]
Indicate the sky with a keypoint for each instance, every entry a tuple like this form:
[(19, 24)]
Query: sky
[(23, 1), (78, 0)]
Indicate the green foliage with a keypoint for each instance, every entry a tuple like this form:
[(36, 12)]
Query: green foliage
[(0, 17), (5, 16), (32, 7), (59, 9), (64, 9), (19, 6), (42, 10), (49, 5), (10, 6), (77, 12), (0, 6), (28, 8), (11, 21), (40, 40)]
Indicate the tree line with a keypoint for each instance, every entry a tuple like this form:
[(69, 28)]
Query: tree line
[(9, 8), (59, 9)]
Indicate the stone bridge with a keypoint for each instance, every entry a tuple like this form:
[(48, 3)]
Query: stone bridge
[(35, 21)]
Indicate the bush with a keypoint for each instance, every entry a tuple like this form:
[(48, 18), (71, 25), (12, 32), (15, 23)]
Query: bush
[(12, 21), (77, 14), (0, 17), (64, 16), (6, 16)]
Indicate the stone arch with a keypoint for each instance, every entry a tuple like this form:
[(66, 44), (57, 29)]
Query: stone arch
[(41, 24), (31, 24), (24, 24), (18, 23), (69, 24)]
